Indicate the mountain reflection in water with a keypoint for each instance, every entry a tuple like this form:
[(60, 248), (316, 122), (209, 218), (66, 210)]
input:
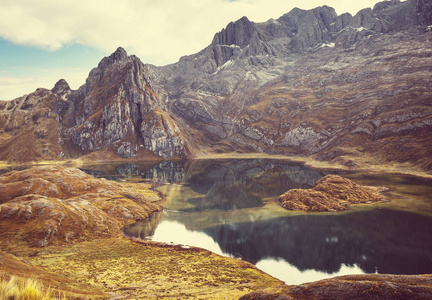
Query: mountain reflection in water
[(228, 207), (383, 241)]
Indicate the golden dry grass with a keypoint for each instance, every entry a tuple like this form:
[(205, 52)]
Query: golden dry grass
[(136, 270), (17, 288)]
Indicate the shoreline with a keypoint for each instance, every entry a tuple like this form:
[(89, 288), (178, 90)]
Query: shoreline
[(392, 168), (325, 165)]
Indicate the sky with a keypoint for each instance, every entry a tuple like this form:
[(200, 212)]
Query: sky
[(46, 40)]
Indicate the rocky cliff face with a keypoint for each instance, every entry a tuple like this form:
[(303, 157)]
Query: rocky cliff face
[(313, 83), (118, 108)]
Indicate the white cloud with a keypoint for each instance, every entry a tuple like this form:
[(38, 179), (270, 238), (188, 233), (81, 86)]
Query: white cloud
[(14, 86), (158, 32)]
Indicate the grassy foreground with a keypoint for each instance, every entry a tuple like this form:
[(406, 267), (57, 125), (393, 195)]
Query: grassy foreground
[(25, 289), (123, 269)]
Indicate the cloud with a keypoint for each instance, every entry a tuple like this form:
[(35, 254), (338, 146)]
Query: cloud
[(13, 86), (158, 32)]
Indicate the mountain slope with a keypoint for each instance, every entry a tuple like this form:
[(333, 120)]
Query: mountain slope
[(116, 111), (313, 83), (30, 127), (118, 108)]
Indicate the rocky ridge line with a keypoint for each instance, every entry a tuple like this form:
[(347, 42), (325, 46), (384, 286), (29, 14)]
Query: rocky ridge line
[(312, 83)]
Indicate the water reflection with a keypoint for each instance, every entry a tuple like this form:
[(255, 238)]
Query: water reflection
[(290, 274), (227, 206), (261, 176), (165, 171), (236, 184), (176, 233), (314, 246), (385, 241), (219, 184)]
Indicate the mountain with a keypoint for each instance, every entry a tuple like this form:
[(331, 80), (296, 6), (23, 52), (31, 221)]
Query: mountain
[(337, 87), (313, 83), (116, 112), (118, 108)]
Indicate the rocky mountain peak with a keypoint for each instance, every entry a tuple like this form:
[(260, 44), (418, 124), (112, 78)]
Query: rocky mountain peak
[(313, 27), (119, 56), (237, 33), (240, 38), (118, 109), (61, 88)]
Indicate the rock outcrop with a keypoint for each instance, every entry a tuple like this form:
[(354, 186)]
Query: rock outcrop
[(30, 127), (118, 108), (331, 193), (371, 286), (46, 205), (62, 89)]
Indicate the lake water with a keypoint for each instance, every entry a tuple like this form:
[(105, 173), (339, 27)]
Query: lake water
[(230, 208)]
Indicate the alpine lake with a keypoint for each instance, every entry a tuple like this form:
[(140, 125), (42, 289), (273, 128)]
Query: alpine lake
[(230, 207)]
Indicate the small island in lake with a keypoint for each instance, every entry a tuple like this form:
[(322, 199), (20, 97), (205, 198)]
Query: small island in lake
[(331, 193)]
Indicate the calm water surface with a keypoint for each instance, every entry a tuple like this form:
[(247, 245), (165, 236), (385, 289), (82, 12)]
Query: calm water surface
[(229, 207)]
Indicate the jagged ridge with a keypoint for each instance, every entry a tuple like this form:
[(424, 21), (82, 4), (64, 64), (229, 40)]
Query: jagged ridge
[(117, 109)]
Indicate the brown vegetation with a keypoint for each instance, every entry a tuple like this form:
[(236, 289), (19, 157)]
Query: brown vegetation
[(45, 205), (371, 286), (331, 193), (62, 228), (145, 270)]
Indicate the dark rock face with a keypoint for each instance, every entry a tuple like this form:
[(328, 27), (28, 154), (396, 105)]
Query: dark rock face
[(242, 34), (312, 27)]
